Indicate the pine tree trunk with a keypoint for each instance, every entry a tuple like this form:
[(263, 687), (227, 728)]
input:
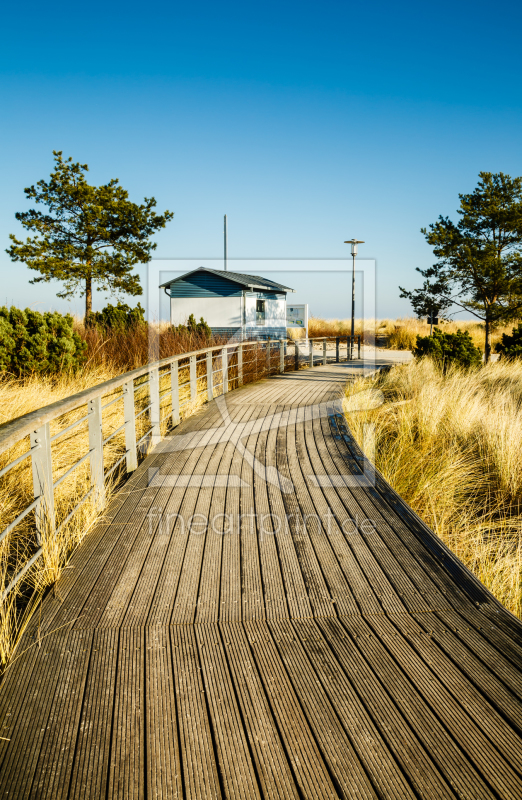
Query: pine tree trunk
[(487, 348), (88, 297)]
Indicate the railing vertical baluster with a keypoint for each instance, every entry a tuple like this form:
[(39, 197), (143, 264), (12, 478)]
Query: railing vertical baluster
[(96, 448), (41, 458), (337, 342), (359, 346), (296, 356), (324, 351), (210, 377), (129, 415), (174, 385), (282, 355), (155, 406), (224, 369), (311, 352), (240, 365), (268, 356), (193, 378)]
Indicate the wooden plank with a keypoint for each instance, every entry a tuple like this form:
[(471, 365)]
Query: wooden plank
[(53, 772), (237, 770), (335, 744), (186, 600), (406, 570), (408, 725), (491, 645), (229, 604), (210, 599), (311, 773), (423, 656), (179, 513), (298, 575), (163, 766), (127, 756), (198, 759), (274, 770), (92, 757), (159, 575), (253, 600), (274, 590), (321, 529), (422, 688), (28, 730), (421, 540), (394, 588), (385, 744)]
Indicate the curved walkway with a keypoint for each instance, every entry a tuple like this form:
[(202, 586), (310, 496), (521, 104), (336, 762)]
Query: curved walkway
[(260, 615)]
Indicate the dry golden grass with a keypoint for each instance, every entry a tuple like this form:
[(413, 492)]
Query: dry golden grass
[(449, 444), (401, 334)]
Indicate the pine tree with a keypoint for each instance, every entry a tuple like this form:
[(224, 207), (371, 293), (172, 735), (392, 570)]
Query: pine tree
[(90, 235), (480, 257)]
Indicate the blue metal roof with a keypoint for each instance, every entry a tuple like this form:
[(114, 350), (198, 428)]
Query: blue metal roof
[(247, 281)]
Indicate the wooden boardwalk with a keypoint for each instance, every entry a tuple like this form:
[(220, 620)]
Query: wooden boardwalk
[(267, 627)]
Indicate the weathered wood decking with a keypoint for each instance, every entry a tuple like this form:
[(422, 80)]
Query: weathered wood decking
[(262, 656)]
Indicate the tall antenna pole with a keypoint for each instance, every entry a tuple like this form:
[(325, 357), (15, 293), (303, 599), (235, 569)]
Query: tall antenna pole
[(226, 243)]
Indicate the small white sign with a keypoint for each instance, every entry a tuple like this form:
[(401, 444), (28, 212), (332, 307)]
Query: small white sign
[(297, 316)]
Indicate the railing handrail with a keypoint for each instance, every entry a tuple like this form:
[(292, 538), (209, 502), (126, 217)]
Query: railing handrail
[(11, 432)]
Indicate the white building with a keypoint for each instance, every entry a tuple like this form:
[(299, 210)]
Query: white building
[(233, 304)]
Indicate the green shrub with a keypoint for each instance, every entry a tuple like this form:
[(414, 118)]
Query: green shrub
[(511, 346), (118, 317), (35, 342), (200, 328), (449, 348)]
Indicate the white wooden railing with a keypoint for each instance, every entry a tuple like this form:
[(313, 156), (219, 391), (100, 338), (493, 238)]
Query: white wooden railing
[(208, 372)]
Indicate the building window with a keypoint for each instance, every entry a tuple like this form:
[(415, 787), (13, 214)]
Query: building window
[(260, 312)]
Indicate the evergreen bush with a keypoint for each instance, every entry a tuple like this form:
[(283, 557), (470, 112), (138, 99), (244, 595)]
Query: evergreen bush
[(118, 317), (449, 348), (41, 343), (200, 328), (511, 346)]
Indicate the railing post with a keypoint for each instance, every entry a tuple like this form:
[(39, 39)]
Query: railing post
[(193, 378), (268, 356), (41, 458), (96, 448), (210, 376), (282, 355), (130, 425), (240, 365), (349, 348), (296, 356), (324, 351), (337, 343), (174, 385), (224, 368), (311, 352), (359, 346), (154, 406)]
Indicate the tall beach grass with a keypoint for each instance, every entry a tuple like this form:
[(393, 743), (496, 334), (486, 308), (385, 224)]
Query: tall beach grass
[(450, 445), (400, 334)]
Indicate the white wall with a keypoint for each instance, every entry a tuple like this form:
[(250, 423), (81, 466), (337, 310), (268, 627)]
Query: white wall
[(218, 312), (275, 312)]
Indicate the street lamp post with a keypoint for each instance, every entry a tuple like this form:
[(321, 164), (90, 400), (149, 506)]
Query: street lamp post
[(354, 243)]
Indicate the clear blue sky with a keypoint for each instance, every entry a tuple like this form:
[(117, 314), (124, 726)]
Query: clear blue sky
[(307, 123)]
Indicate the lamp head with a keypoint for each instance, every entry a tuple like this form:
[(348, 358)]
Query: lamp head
[(354, 243)]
